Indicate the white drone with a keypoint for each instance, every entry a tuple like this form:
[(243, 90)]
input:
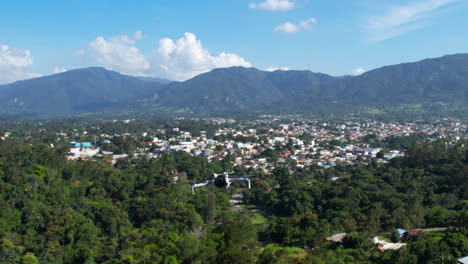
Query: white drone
[(221, 180)]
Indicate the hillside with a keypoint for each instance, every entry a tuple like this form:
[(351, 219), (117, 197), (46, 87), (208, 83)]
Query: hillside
[(227, 89), (428, 81), (156, 80), (238, 90), (432, 80), (72, 92)]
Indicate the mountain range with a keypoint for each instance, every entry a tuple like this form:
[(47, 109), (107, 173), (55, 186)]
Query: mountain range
[(236, 90), (73, 92)]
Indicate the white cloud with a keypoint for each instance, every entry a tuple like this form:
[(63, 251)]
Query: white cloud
[(292, 28), (120, 54), (185, 58), (306, 23), (274, 5), (138, 35), (402, 19), (14, 64), (287, 27), (358, 71), (179, 59), (271, 69), (58, 69)]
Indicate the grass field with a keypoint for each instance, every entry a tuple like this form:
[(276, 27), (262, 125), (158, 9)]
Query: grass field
[(258, 217), (436, 235)]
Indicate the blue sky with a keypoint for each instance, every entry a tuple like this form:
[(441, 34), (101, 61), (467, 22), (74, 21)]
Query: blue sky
[(178, 39)]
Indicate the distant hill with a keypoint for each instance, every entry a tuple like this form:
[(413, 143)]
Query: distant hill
[(238, 90), (442, 79), (73, 92), (223, 90), (156, 80)]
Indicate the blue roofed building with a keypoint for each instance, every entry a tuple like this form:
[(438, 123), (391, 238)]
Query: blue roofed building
[(401, 232), (82, 144)]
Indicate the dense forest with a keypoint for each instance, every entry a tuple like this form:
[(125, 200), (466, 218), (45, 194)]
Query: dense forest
[(142, 210)]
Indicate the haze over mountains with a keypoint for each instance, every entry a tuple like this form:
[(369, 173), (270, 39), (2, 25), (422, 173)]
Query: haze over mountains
[(239, 90)]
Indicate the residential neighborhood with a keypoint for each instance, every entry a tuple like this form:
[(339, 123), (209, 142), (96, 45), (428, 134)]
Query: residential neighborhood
[(267, 143)]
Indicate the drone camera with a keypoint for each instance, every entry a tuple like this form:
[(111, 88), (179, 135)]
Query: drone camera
[(220, 181)]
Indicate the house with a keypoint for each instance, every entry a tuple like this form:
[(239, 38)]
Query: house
[(337, 238), (463, 260), (82, 144), (384, 245), (413, 232), (401, 232)]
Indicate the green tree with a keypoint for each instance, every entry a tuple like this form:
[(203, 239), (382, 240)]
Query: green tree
[(29, 258)]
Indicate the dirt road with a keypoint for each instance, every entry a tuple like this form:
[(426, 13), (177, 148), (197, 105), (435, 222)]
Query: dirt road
[(236, 200)]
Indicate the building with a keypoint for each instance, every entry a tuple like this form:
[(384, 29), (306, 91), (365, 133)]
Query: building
[(463, 260), (82, 144)]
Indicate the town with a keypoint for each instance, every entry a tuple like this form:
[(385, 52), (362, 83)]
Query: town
[(264, 143)]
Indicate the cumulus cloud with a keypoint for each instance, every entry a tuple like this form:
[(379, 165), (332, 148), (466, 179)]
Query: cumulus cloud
[(358, 71), (274, 5), (185, 58), (402, 19), (177, 60), (14, 64), (291, 28), (272, 69), (58, 69), (120, 54), (287, 27)]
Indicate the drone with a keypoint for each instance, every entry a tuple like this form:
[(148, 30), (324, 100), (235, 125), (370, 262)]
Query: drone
[(221, 180)]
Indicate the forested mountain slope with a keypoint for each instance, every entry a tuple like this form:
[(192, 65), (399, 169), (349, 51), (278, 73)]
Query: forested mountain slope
[(72, 92), (442, 80), (237, 90)]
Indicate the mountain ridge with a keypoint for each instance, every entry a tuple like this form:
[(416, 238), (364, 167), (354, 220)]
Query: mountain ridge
[(425, 81), (76, 91), (233, 90)]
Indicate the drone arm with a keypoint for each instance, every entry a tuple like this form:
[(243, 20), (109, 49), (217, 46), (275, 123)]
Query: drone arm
[(200, 184), (241, 179)]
